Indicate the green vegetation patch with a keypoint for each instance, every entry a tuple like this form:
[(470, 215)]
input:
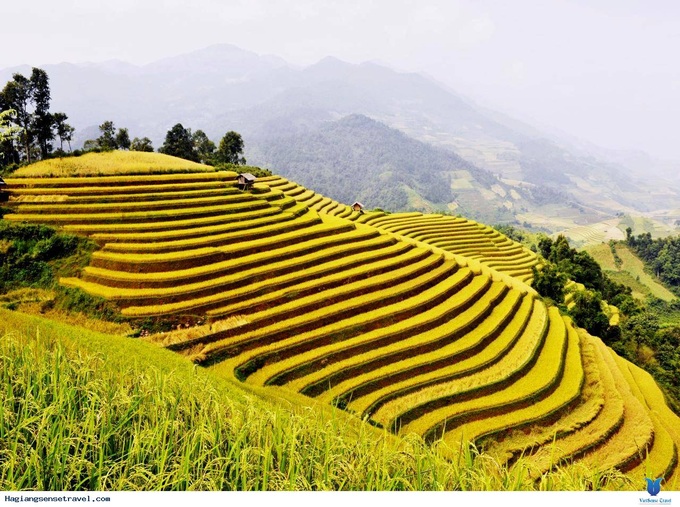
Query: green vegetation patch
[(629, 270), (28, 254)]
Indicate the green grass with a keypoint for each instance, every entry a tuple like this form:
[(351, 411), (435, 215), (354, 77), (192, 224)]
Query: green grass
[(86, 411), (384, 323), (631, 272)]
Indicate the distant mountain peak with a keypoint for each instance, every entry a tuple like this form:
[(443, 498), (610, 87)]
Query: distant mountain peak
[(219, 58), (357, 120), (330, 63), (331, 60)]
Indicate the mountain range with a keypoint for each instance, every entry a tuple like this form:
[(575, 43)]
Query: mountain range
[(367, 132)]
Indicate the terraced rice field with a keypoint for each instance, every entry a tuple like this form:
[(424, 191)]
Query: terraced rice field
[(453, 234), (593, 234), (416, 323)]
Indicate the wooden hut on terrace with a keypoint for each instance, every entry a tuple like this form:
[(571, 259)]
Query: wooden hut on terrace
[(357, 206), (245, 181)]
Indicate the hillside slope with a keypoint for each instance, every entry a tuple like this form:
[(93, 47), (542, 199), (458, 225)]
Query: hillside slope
[(630, 271), (357, 158), (419, 323)]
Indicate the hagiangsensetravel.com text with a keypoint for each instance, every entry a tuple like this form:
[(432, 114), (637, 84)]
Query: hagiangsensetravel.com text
[(55, 498)]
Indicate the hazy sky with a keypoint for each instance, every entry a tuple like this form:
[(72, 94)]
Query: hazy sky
[(604, 70)]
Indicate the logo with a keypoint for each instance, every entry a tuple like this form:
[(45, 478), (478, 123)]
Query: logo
[(653, 486)]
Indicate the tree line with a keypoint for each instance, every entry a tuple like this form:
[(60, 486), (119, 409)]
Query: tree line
[(28, 128), (29, 131), (640, 336), (661, 255), (565, 263)]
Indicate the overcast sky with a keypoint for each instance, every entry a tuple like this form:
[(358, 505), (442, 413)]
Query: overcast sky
[(606, 71)]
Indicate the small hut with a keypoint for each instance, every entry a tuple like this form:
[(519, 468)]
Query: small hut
[(357, 206), (245, 181), (4, 196)]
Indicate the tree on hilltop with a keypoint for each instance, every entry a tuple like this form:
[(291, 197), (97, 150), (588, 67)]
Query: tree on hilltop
[(16, 95), (9, 133), (8, 129), (107, 140), (110, 139), (42, 121), (230, 150), (63, 129), (123, 139), (29, 99), (143, 144), (205, 148), (178, 143)]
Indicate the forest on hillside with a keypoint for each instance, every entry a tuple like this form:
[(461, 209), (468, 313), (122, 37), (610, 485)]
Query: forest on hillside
[(379, 166), (662, 255), (640, 335)]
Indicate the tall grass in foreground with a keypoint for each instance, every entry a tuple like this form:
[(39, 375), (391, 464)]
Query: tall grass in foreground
[(81, 410)]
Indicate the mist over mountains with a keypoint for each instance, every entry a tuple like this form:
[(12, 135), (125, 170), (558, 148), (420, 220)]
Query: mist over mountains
[(397, 140)]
